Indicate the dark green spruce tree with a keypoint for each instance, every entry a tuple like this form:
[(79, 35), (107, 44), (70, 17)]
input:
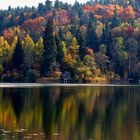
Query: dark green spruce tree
[(48, 5), (58, 44), (49, 56), (105, 38), (18, 56), (91, 37), (41, 9), (82, 44), (22, 18), (115, 21), (57, 4)]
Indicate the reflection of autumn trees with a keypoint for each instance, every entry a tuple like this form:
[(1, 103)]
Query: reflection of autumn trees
[(18, 110), (72, 112), (96, 112)]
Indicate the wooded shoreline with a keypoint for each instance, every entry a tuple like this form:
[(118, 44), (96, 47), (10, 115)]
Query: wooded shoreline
[(94, 42)]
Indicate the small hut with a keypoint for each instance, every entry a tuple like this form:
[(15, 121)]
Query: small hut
[(66, 76)]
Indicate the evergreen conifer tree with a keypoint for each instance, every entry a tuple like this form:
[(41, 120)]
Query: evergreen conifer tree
[(18, 56), (92, 39), (115, 21), (50, 48), (48, 5), (82, 44)]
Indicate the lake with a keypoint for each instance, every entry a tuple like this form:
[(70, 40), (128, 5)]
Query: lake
[(70, 113)]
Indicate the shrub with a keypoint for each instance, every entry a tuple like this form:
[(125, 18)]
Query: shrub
[(31, 76)]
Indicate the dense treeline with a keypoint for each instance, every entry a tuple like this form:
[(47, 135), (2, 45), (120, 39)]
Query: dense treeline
[(96, 40)]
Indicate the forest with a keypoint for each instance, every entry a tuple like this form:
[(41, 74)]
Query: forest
[(95, 41)]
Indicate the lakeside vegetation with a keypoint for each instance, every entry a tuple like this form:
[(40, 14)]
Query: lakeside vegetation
[(91, 42)]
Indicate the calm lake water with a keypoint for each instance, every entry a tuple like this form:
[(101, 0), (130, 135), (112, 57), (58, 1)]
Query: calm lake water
[(70, 113)]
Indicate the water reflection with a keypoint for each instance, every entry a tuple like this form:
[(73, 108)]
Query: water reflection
[(70, 113)]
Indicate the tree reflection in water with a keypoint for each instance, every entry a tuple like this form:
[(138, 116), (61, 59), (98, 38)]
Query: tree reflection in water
[(70, 113)]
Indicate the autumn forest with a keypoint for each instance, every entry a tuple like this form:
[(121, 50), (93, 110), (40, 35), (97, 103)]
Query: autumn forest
[(95, 41)]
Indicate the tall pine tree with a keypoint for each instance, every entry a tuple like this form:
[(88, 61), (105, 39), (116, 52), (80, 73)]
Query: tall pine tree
[(18, 56), (50, 48), (115, 21), (92, 39), (82, 44), (48, 5)]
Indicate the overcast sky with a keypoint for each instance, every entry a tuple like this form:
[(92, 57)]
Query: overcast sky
[(4, 4)]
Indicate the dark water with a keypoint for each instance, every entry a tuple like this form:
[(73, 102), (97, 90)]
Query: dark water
[(70, 113)]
